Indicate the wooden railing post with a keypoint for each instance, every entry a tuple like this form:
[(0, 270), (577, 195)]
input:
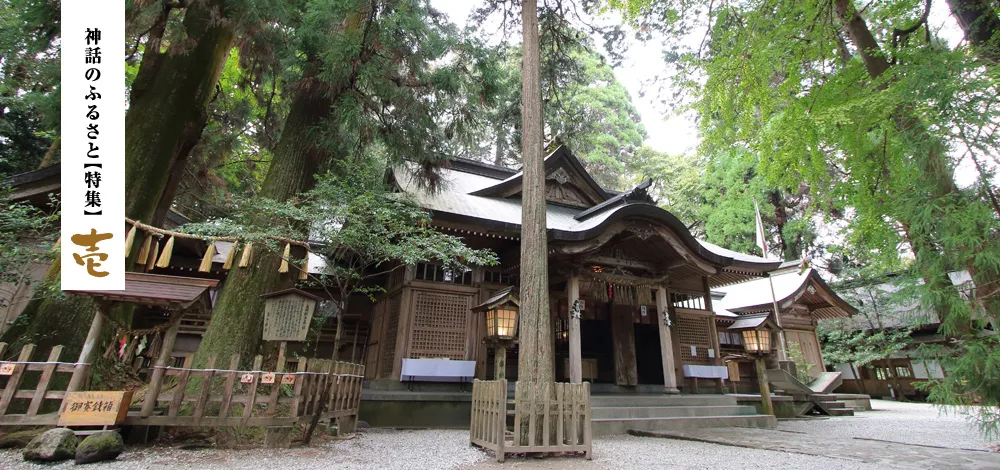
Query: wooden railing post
[(43, 381), (156, 382), (82, 369), (15, 378)]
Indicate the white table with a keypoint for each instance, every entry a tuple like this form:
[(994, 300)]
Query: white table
[(437, 370), (706, 372)]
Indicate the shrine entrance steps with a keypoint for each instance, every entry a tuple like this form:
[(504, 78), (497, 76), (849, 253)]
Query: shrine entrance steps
[(621, 413)]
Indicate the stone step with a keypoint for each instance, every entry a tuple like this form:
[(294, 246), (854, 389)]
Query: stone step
[(603, 427), (833, 404), (660, 400), (627, 412), (841, 411)]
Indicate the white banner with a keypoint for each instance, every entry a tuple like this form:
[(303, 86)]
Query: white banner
[(93, 145)]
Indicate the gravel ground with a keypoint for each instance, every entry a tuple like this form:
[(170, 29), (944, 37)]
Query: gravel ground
[(910, 423), (449, 449)]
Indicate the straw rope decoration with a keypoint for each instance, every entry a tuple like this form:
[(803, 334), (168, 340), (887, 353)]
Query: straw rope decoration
[(304, 272), (206, 261), (150, 264), (129, 239), (245, 259), (166, 254), (231, 256), (144, 251), (151, 255), (284, 258)]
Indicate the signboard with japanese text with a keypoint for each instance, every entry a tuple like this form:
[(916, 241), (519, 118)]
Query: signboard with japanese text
[(287, 317), (94, 408), (92, 145)]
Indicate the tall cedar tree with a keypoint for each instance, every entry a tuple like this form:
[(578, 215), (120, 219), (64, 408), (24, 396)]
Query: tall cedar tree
[(371, 72), (534, 362)]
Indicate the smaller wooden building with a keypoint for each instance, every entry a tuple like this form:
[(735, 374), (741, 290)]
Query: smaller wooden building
[(803, 299)]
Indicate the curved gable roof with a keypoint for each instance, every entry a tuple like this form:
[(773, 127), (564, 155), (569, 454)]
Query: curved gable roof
[(789, 287), (561, 157)]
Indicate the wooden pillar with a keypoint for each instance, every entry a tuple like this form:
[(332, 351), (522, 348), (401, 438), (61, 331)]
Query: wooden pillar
[(623, 347), (666, 342), (575, 359), (156, 382), (500, 363), (81, 372), (765, 388)]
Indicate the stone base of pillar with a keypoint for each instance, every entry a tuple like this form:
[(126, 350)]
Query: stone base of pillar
[(671, 390)]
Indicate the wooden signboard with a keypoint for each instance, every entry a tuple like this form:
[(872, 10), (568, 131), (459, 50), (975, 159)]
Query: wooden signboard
[(94, 408), (7, 368), (287, 317)]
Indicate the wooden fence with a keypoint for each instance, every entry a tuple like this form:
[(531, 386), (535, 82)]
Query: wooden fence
[(13, 399), (556, 420), (179, 396)]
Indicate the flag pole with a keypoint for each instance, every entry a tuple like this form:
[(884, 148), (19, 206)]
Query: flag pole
[(762, 243), (783, 352)]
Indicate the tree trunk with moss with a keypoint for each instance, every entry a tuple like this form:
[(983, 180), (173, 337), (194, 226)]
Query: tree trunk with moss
[(166, 116), (238, 315)]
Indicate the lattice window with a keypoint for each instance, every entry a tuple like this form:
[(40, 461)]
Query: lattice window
[(438, 273), (440, 324), (496, 276), (694, 331), (391, 330)]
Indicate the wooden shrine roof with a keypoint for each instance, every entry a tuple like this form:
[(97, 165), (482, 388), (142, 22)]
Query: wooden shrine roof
[(795, 286), (171, 292), (483, 200)]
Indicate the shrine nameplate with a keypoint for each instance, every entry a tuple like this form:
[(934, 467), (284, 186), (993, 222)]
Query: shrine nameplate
[(286, 318), (94, 408)]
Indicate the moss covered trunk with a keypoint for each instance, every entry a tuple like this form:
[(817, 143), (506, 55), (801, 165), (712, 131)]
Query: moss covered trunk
[(164, 121), (239, 311)]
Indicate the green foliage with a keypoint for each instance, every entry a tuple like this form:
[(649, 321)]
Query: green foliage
[(801, 366), (969, 388), (360, 228), (585, 106), (29, 82), (677, 183), (26, 237), (236, 146), (843, 344), (874, 131)]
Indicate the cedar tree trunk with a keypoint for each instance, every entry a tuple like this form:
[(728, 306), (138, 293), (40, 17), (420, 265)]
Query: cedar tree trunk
[(237, 318), (534, 364)]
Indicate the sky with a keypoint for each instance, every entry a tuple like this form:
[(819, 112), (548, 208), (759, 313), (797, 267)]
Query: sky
[(675, 134)]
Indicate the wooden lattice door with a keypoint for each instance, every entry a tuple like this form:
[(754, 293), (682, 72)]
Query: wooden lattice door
[(440, 324)]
